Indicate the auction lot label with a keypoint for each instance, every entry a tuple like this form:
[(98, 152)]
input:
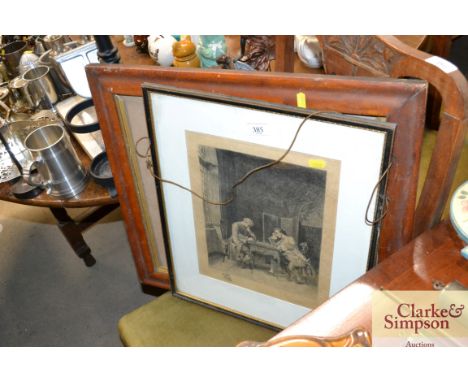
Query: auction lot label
[(420, 318)]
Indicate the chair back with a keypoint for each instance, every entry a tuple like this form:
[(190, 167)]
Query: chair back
[(386, 56)]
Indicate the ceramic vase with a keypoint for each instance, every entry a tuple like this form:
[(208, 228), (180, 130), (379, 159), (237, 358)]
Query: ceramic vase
[(308, 50), (210, 48), (160, 49)]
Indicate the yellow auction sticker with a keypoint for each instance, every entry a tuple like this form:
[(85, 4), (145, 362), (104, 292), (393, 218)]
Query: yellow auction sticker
[(301, 100), (317, 163)]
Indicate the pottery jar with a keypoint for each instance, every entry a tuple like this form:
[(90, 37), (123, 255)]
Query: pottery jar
[(160, 49), (185, 55)]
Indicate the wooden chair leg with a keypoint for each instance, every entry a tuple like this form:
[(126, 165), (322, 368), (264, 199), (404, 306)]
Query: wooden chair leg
[(72, 233)]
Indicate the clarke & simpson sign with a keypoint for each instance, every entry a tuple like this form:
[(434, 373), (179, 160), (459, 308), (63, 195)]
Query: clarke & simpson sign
[(420, 318)]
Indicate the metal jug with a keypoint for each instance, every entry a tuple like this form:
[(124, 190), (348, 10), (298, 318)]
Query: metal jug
[(41, 88), (58, 77)]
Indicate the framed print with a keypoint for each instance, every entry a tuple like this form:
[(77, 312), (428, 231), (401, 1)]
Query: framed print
[(132, 119), (118, 99), (278, 241)]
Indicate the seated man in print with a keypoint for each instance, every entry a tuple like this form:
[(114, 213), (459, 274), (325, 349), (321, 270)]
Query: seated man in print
[(297, 262), (240, 235)]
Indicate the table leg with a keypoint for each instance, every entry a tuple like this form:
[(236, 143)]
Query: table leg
[(72, 233)]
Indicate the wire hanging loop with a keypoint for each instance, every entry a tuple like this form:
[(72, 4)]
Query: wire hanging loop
[(386, 200), (149, 165), (137, 143)]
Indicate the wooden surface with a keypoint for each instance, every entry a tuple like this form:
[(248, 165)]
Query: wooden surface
[(414, 41), (434, 255), (284, 52), (130, 55), (287, 60), (401, 102), (92, 196), (356, 338), (387, 56)]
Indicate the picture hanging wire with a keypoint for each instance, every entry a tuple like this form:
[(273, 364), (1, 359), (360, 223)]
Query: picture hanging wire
[(384, 199), (149, 165), (230, 199)]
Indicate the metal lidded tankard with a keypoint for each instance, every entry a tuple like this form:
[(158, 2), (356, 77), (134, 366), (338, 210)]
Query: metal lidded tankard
[(60, 171)]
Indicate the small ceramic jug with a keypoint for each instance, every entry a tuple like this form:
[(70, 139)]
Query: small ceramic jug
[(141, 42), (308, 50), (185, 55)]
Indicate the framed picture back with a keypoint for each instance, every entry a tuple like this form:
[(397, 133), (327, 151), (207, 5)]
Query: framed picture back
[(118, 98)]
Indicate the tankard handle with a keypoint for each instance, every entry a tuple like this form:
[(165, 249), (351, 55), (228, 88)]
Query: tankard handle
[(7, 110), (34, 180)]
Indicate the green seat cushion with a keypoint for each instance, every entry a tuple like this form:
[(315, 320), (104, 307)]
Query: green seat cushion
[(171, 321)]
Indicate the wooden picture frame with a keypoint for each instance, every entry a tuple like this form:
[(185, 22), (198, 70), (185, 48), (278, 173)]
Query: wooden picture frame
[(293, 262), (399, 101)]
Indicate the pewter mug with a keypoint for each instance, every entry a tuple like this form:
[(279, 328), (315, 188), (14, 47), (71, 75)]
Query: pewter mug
[(41, 88), (60, 171), (12, 55), (55, 43)]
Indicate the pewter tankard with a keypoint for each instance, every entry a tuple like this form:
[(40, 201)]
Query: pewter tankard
[(12, 54), (60, 170), (41, 88)]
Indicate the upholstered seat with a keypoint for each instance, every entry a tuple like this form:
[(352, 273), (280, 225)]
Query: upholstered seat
[(171, 321)]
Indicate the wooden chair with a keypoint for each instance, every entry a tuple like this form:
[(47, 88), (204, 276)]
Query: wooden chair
[(386, 56), (356, 337)]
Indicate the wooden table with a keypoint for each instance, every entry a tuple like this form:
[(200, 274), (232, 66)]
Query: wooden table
[(93, 195), (434, 255)]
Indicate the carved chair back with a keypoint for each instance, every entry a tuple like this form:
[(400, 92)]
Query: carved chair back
[(386, 56)]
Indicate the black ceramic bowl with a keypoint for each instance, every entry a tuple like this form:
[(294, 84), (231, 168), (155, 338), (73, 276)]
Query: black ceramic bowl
[(101, 171)]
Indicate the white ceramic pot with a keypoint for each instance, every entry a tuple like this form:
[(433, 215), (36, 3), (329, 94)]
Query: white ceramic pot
[(308, 50), (160, 49)]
